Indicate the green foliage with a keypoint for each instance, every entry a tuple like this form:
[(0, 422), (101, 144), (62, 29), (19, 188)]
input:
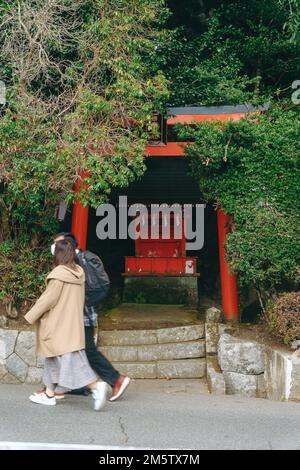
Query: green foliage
[(140, 298), (96, 122), (292, 25), (264, 249), (23, 269), (199, 76), (80, 96), (251, 169), (232, 52)]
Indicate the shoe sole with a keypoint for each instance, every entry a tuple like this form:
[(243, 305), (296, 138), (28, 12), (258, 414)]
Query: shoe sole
[(123, 387), (57, 397), (34, 400)]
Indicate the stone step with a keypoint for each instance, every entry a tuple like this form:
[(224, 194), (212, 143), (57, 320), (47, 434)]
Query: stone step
[(174, 369), (157, 336), (154, 352)]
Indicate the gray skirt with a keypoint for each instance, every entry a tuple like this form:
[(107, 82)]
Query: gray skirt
[(69, 371)]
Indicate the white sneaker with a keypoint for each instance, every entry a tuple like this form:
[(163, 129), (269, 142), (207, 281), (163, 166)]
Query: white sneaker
[(99, 395), (42, 399)]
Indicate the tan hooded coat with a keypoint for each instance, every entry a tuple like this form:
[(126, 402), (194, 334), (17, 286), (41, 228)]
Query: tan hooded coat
[(58, 313)]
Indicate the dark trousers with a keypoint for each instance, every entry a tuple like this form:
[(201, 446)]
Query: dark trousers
[(97, 361)]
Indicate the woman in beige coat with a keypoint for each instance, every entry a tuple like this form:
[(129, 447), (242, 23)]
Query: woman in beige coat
[(58, 318)]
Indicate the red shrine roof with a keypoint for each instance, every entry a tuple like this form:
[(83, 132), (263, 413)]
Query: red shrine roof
[(190, 114)]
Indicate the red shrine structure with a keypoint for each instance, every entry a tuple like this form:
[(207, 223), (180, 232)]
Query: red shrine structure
[(161, 256), (167, 257)]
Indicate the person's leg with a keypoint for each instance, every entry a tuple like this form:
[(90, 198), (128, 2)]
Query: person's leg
[(49, 392), (59, 392), (97, 361)]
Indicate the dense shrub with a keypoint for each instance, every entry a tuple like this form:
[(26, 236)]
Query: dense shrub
[(227, 52), (22, 269), (251, 169), (75, 101), (283, 317)]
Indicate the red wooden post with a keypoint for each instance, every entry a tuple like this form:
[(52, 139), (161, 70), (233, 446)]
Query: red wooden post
[(228, 280), (80, 216)]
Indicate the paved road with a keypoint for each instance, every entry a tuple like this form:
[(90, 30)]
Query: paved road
[(152, 414)]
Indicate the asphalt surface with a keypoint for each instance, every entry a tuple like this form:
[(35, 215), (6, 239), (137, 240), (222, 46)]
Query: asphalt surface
[(151, 415)]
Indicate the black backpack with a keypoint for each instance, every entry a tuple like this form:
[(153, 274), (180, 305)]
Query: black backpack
[(96, 279)]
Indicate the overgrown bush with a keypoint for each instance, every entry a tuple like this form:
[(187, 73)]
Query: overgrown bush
[(227, 52), (251, 169), (80, 96), (22, 270), (283, 317)]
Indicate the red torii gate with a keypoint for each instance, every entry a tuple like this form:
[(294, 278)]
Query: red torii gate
[(187, 115)]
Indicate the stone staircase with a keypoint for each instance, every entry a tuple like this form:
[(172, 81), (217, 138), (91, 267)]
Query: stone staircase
[(173, 352)]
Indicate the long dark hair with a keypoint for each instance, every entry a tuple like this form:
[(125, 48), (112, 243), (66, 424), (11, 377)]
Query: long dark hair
[(65, 254)]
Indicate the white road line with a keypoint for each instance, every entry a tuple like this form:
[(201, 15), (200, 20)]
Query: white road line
[(54, 446)]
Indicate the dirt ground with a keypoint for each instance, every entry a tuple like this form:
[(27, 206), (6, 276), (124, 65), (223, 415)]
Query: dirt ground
[(257, 332), (18, 324)]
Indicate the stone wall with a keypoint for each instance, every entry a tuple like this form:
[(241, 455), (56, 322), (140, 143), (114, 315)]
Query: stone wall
[(246, 367), (18, 363), (233, 365), (257, 370), (243, 364)]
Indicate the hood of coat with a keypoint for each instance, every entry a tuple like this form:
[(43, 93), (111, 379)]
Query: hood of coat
[(66, 274)]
